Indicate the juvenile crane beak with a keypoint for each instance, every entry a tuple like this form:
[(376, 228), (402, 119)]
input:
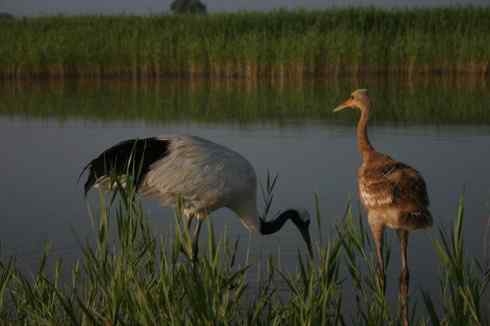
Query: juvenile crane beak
[(345, 105)]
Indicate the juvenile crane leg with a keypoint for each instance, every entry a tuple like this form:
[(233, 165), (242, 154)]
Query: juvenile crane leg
[(404, 277), (378, 235)]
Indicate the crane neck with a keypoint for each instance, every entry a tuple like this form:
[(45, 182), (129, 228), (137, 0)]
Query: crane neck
[(303, 225), (247, 210), (363, 144), (270, 227)]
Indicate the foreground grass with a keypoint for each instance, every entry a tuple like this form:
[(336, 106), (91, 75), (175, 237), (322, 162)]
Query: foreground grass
[(279, 44), (131, 277)]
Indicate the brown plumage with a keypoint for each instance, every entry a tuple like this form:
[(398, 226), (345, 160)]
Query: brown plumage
[(394, 190), (393, 193)]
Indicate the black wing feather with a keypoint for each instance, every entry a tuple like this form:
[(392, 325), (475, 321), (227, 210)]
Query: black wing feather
[(134, 156)]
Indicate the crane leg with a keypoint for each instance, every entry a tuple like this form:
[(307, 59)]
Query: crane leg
[(404, 277), (378, 235), (195, 245)]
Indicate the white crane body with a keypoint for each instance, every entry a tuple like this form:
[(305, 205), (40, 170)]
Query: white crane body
[(204, 175), (207, 176)]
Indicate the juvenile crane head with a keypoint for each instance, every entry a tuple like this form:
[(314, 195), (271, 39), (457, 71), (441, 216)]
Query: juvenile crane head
[(359, 99)]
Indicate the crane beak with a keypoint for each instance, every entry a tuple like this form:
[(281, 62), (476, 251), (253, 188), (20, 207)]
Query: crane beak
[(345, 105), (305, 233)]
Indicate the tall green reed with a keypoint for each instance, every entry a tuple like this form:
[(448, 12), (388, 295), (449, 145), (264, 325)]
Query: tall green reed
[(316, 290), (278, 45), (463, 281), (371, 304), (127, 275)]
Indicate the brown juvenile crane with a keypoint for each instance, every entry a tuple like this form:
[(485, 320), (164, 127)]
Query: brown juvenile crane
[(393, 193)]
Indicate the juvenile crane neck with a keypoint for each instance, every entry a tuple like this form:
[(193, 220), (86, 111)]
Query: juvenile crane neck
[(363, 144)]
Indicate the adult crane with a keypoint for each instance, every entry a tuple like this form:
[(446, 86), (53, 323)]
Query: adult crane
[(204, 175)]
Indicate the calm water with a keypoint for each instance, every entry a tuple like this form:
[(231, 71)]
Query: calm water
[(49, 131)]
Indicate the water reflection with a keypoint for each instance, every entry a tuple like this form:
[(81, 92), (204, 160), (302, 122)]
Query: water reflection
[(426, 101)]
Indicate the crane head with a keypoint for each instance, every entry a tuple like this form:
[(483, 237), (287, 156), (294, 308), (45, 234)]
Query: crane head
[(304, 229), (359, 99)]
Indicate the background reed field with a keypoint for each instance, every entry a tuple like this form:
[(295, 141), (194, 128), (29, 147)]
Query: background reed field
[(277, 45)]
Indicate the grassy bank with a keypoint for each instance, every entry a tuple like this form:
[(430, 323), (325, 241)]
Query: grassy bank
[(277, 45), (130, 276)]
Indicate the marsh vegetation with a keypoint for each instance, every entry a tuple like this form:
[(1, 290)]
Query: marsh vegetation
[(129, 275), (280, 45)]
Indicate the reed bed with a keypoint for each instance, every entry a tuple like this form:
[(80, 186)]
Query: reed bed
[(130, 276), (278, 45)]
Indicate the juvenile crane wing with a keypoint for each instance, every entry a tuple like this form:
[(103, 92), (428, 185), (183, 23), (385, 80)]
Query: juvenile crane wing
[(390, 183)]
